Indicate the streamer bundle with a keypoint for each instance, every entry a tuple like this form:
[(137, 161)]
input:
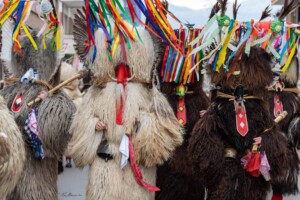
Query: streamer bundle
[(176, 66), (20, 10), (119, 25)]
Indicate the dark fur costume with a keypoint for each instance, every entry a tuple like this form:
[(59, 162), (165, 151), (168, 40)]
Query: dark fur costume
[(225, 178), (174, 178), (39, 177), (290, 126)]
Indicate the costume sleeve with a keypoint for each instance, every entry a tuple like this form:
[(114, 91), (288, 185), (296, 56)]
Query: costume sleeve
[(275, 145), (294, 131), (159, 133), (54, 120), (206, 150), (85, 139)]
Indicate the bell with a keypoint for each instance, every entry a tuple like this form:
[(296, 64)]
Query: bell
[(103, 151), (239, 93)]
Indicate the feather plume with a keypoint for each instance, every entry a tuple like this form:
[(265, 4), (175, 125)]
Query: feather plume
[(80, 33), (235, 9), (223, 6), (266, 13), (215, 9), (287, 8)]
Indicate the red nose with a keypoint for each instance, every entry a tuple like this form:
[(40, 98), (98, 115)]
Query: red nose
[(122, 73)]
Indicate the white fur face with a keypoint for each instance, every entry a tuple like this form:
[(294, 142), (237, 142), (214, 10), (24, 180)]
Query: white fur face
[(140, 57)]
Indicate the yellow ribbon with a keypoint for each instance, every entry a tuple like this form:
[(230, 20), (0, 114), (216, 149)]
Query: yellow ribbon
[(9, 11), (289, 60), (223, 51), (116, 43), (29, 36), (57, 38), (133, 35)]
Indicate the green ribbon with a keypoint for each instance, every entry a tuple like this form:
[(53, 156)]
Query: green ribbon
[(206, 28)]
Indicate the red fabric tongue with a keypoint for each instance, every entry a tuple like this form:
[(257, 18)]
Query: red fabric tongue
[(241, 119), (122, 73), (278, 106), (181, 111)]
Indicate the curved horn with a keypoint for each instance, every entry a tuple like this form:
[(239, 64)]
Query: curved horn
[(114, 79), (132, 77)]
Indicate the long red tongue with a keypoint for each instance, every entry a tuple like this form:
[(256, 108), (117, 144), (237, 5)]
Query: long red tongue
[(136, 170), (122, 73)]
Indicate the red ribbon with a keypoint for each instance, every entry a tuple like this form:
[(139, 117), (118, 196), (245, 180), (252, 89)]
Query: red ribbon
[(254, 165), (136, 170), (87, 13), (277, 197)]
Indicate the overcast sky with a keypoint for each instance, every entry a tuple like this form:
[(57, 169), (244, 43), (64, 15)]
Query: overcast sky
[(197, 11)]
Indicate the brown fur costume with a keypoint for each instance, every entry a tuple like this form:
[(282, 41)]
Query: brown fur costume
[(216, 132), (39, 177), (175, 178), (147, 117), (288, 184)]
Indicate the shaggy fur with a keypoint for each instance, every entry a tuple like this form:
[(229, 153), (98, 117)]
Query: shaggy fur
[(47, 65), (12, 166), (147, 117), (175, 178), (153, 141), (288, 184), (225, 177), (71, 89), (140, 58), (38, 179)]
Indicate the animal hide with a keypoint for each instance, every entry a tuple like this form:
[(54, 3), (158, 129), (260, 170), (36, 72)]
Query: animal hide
[(288, 184), (225, 177), (175, 177), (39, 177), (12, 151), (157, 135)]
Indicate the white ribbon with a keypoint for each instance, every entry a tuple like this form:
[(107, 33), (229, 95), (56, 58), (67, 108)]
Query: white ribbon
[(124, 149)]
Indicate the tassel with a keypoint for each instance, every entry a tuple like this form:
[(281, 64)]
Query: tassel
[(277, 197)]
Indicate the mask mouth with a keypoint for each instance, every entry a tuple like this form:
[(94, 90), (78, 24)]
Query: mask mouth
[(122, 74)]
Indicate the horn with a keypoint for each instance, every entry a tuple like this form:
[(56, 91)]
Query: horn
[(132, 77), (114, 79)]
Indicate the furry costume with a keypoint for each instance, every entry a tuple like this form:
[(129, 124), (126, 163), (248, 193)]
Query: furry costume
[(12, 152), (284, 96), (223, 137), (147, 117), (175, 178), (216, 146), (288, 184), (39, 177)]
